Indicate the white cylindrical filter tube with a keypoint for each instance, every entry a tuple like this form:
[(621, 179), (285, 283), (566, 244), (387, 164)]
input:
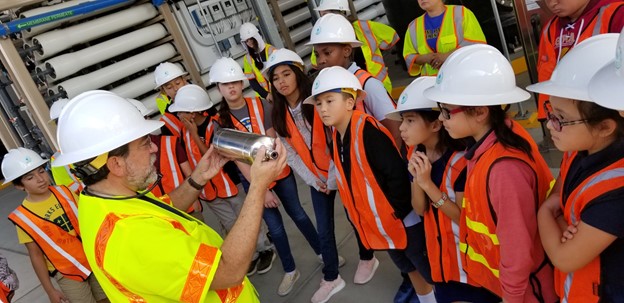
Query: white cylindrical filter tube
[(285, 5), (301, 32), (138, 86), (57, 41), (114, 72), (150, 103), (362, 4), (68, 64), (49, 26), (372, 12), (297, 16)]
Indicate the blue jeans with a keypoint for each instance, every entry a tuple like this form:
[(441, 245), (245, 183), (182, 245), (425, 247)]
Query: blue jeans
[(286, 191), (324, 209)]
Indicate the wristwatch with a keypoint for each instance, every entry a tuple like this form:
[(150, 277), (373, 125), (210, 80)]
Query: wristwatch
[(194, 184), (440, 202)]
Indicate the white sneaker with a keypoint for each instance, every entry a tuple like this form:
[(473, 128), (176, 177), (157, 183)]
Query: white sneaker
[(341, 260), (288, 282), (365, 271), (327, 290)]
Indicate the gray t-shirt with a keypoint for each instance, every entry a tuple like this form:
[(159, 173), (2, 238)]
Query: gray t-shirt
[(242, 114)]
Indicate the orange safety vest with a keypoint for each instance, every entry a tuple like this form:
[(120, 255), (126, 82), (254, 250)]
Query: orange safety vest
[(368, 208), (63, 250), (220, 186), (316, 158), (583, 285), (547, 51), (479, 245), (173, 124), (256, 116), (442, 240)]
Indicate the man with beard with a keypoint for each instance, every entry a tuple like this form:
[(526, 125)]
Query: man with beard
[(145, 249)]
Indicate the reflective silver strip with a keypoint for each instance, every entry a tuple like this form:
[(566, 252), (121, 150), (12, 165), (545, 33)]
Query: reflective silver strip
[(566, 287), (187, 141), (256, 107), (228, 190), (458, 18), (598, 21), (69, 200), (413, 36), (452, 196), (168, 121), (369, 191), (604, 176), (172, 166), (52, 244)]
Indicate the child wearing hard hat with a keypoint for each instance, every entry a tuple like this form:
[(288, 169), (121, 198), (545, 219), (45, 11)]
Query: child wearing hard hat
[(573, 22), (169, 78), (62, 175), (587, 196), (372, 178), (305, 137), (375, 37), (438, 168), (609, 81), (334, 39), (257, 54), (254, 115), (47, 224), (507, 178), (436, 34)]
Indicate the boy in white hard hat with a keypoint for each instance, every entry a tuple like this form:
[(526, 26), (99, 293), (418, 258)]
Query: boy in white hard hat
[(168, 78)]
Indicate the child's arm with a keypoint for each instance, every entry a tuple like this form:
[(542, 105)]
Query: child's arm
[(41, 270)]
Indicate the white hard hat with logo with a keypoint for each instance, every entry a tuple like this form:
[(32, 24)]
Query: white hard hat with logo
[(166, 72), (333, 78), (412, 98), (607, 87), (333, 28), (476, 75), (248, 30), (282, 56), (333, 5), (18, 162), (57, 107), (226, 70), (96, 122), (571, 76), (191, 98)]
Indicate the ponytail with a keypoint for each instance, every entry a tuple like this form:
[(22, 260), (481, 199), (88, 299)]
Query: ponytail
[(504, 134), (224, 114)]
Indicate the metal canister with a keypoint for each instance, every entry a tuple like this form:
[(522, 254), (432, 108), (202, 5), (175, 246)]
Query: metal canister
[(243, 146)]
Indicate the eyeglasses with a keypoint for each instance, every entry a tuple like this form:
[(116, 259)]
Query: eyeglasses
[(446, 113), (557, 123)]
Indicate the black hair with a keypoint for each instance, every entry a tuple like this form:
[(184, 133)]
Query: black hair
[(595, 114), (224, 112), (280, 104), (445, 141), (254, 52), (504, 134), (102, 173), (18, 180)]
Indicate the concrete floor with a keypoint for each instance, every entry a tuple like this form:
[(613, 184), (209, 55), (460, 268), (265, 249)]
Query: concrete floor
[(381, 289)]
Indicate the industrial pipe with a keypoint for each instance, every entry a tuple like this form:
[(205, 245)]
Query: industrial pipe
[(138, 86), (372, 12), (297, 16), (150, 103), (362, 4), (70, 63), (116, 71), (57, 41), (301, 32), (288, 4), (56, 15)]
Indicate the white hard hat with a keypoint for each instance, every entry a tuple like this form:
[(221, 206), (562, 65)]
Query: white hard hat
[(333, 5), (607, 87), (335, 77), (476, 75), (191, 98), (140, 106), (282, 56), (333, 28), (412, 98), (57, 107), (248, 30), (96, 122), (166, 72), (571, 76), (226, 70), (18, 162)]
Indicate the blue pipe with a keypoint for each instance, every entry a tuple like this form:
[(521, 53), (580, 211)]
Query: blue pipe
[(60, 14)]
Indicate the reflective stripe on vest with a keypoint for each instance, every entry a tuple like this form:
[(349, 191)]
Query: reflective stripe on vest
[(583, 285), (175, 173), (316, 157), (373, 216), (362, 76), (380, 72), (171, 124)]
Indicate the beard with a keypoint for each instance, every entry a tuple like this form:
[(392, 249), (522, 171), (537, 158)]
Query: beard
[(140, 179)]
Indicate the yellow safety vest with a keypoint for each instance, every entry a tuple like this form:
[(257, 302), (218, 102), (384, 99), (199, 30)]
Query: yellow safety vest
[(459, 28), (375, 37), (162, 102), (145, 250), (252, 72)]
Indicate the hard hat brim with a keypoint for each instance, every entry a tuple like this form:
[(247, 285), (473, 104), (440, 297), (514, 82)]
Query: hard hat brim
[(176, 109), (605, 85), (517, 95), (552, 88), (310, 100), (73, 157), (352, 43), (9, 179)]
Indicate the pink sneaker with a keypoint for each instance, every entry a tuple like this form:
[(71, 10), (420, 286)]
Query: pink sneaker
[(365, 271), (327, 290)]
